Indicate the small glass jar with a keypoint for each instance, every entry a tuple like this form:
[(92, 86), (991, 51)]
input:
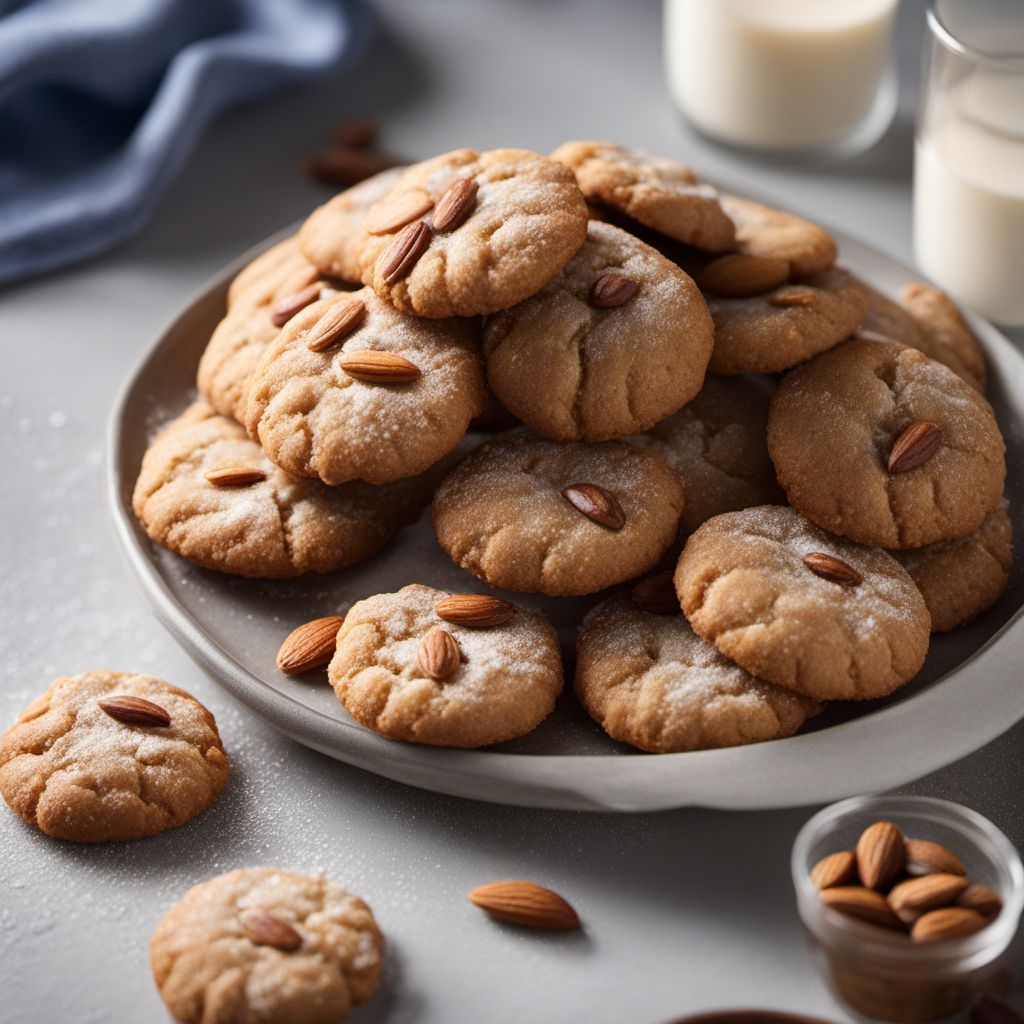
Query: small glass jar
[(880, 974)]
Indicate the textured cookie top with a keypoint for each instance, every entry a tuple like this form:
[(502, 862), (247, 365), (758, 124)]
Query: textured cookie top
[(502, 514), (213, 963), (623, 335), (649, 680), (944, 333), (833, 429), (522, 220), (744, 584), (315, 416), (504, 683), (75, 772), (270, 275), (274, 527), (332, 235), (887, 318), (661, 193), (774, 331), (718, 445)]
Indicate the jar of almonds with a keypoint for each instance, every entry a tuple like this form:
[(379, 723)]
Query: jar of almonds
[(909, 904)]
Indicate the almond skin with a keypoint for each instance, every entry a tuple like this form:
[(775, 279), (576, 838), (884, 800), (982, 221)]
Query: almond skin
[(398, 259), (286, 307), (740, 274), (265, 929), (915, 446), (912, 898), (613, 289), (309, 645), (455, 205), (526, 903), (373, 367), (947, 923), (925, 858), (439, 654), (980, 898), (831, 568), (235, 476), (656, 595), (478, 611), (863, 904), (337, 323), (880, 854), (390, 215), (835, 869), (135, 711), (596, 504)]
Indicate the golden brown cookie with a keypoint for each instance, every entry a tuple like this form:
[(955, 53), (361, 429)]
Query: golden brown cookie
[(468, 233), (776, 330), (260, 281), (662, 194), (108, 756), (616, 342), (266, 946), (409, 673), (945, 335), (650, 681), (383, 397), (887, 318), (960, 579), (718, 444), (883, 445), (798, 607), (208, 493), (528, 514)]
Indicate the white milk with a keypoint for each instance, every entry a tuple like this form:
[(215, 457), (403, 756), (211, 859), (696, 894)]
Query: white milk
[(969, 195), (777, 73)]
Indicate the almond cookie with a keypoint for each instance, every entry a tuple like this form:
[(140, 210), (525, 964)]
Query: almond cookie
[(352, 389), (260, 282), (718, 444), (623, 337), (776, 330), (798, 607), (650, 681), (468, 233), (887, 318), (332, 236), (945, 335), (411, 674), (960, 579), (528, 514), (208, 493), (662, 194), (881, 444), (266, 946), (109, 756), (764, 231)]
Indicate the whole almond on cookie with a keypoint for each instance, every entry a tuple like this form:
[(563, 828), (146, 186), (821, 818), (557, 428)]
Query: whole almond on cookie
[(947, 923), (863, 904), (235, 476), (374, 367), (439, 654), (337, 323), (613, 289), (526, 903), (835, 869), (135, 710), (831, 568), (738, 274), (880, 854), (478, 611), (915, 446), (455, 205), (596, 503), (309, 645), (398, 259), (914, 897), (265, 929), (925, 857), (286, 307), (392, 215)]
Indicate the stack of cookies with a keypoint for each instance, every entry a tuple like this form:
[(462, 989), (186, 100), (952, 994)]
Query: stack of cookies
[(759, 544)]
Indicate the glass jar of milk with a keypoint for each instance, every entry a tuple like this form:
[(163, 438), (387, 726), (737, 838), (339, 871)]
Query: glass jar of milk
[(812, 76), (969, 159)]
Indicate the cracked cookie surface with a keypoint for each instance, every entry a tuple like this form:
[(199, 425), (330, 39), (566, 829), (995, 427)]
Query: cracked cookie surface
[(744, 586), (506, 682), (650, 681), (276, 527), (832, 427), (209, 970), (74, 772), (607, 371)]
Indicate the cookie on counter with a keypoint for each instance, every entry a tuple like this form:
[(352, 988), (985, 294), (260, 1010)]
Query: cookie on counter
[(616, 342), (425, 666), (879, 443), (650, 681), (528, 514), (110, 756), (798, 607), (266, 946)]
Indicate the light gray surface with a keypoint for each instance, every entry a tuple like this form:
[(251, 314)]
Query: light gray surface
[(683, 910)]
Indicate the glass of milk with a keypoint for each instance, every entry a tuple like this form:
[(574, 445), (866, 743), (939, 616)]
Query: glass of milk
[(809, 77), (969, 156)]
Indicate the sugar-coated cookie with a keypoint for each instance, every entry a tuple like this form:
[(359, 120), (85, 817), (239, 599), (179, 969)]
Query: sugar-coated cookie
[(887, 318), (266, 946), (261, 280), (945, 335), (108, 756)]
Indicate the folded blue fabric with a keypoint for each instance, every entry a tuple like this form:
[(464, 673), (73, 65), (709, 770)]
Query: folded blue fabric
[(101, 102)]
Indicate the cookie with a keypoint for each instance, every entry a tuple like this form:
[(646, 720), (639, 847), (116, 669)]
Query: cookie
[(410, 674), (468, 233), (945, 335), (650, 681), (881, 444), (887, 318), (718, 444), (253, 519), (771, 332), (960, 579), (109, 756), (261, 281), (525, 513), (352, 389), (623, 337), (331, 237), (662, 194), (266, 946), (803, 609), (764, 231)]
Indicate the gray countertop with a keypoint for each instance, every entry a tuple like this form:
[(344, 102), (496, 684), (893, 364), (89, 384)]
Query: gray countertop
[(684, 910)]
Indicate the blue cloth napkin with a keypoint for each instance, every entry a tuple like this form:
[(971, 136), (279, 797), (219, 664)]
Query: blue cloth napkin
[(101, 102)]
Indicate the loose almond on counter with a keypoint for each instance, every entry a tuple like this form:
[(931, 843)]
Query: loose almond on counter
[(309, 645), (526, 903)]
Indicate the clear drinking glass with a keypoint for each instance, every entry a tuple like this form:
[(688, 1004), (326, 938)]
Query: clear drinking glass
[(791, 76), (969, 159)]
